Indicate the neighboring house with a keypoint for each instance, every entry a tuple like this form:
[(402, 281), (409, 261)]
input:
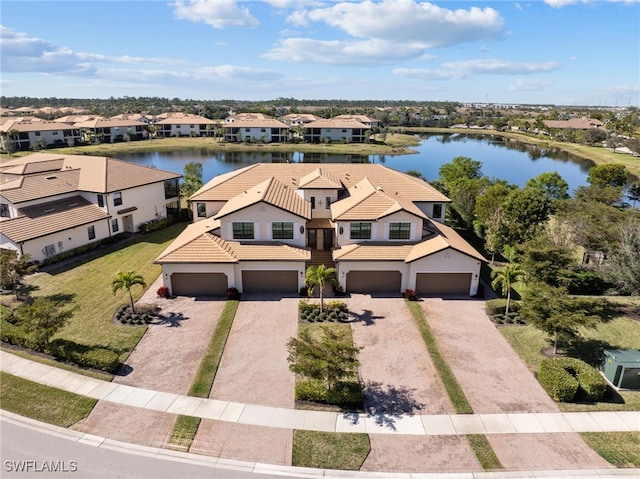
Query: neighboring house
[(72, 119), (112, 130), (52, 203), (575, 124), (184, 124), (267, 130), (20, 134), (299, 119), (246, 116), (258, 229), (364, 119), (146, 119), (332, 129)]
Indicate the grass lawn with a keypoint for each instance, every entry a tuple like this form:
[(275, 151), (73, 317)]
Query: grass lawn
[(43, 403), (622, 449), (184, 430), (330, 450), (88, 287)]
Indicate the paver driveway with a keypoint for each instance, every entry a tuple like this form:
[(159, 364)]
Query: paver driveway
[(495, 380), (166, 359)]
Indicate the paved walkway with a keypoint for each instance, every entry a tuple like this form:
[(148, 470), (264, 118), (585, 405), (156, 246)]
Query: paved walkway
[(253, 469), (258, 415)]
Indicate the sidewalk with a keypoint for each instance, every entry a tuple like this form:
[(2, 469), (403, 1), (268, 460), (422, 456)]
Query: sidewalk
[(278, 417)]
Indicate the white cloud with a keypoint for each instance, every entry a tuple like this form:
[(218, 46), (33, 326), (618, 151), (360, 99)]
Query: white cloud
[(334, 52), (494, 66), (425, 74), (522, 84), (236, 73), (216, 13), (411, 21), (564, 3)]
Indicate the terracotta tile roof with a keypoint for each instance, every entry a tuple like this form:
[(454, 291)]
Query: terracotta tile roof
[(108, 123), (361, 118), (24, 126), (447, 238), (185, 119), (41, 185), (225, 187), (50, 218), (255, 123), (373, 251), (97, 174), (270, 191), (198, 243), (367, 202), (338, 123), (319, 179)]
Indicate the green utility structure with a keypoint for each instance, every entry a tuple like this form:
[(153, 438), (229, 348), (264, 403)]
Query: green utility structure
[(621, 367)]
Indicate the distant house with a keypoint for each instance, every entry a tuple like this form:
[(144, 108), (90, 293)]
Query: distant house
[(52, 203), (184, 124), (19, 134), (332, 129), (299, 119), (364, 119), (111, 130), (575, 124), (264, 129), (258, 229)]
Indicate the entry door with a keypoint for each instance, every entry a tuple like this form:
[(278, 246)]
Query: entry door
[(327, 240), (312, 240), (127, 222)]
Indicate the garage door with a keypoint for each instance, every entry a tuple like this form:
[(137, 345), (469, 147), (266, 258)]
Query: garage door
[(440, 284), (374, 281), (199, 284), (284, 281)]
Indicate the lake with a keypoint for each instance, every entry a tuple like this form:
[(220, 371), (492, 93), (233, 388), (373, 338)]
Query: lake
[(504, 159)]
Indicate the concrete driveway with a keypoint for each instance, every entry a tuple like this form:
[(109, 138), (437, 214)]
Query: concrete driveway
[(495, 380)]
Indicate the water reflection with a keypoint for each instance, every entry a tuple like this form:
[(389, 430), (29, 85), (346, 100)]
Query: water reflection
[(513, 161)]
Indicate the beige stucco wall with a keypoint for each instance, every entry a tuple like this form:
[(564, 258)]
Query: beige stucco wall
[(262, 215), (320, 211), (446, 261), (212, 208), (380, 229), (148, 199), (70, 239), (427, 209)]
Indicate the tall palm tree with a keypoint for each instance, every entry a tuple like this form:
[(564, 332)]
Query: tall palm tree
[(505, 278), (126, 280), (317, 277)]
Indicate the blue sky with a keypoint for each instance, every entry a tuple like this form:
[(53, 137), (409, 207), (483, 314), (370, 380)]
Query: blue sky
[(563, 52)]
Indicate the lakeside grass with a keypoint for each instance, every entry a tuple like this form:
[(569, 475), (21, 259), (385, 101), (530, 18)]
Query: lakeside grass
[(393, 144), (86, 283), (43, 403), (186, 427), (478, 442)]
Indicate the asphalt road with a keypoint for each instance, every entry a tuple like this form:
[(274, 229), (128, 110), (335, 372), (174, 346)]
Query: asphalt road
[(28, 453)]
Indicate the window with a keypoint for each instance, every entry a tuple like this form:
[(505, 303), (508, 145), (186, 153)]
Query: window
[(242, 230), (101, 201), (437, 210), (60, 245), (282, 230), (37, 133), (313, 202), (4, 210), (201, 210), (49, 250), (360, 230), (399, 230), (91, 230), (171, 188), (327, 203), (114, 225), (117, 199)]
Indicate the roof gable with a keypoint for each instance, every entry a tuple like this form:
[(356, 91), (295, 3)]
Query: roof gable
[(319, 179)]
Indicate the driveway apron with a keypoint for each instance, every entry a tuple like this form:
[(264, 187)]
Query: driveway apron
[(400, 378), (166, 359), (495, 380)]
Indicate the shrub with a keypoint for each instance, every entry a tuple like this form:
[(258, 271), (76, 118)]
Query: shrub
[(163, 292), (233, 293), (568, 379), (346, 394), (311, 390), (497, 318), (410, 294), (499, 306), (92, 357), (14, 334), (336, 304)]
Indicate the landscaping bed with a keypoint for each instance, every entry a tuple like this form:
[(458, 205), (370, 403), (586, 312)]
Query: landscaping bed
[(333, 311)]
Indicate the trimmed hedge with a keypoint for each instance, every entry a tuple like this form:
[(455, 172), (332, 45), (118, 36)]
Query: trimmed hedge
[(569, 379), (499, 305), (346, 394)]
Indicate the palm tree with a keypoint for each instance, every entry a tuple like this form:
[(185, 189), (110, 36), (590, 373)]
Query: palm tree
[(126, 281), (318, 276), (505, 278)]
